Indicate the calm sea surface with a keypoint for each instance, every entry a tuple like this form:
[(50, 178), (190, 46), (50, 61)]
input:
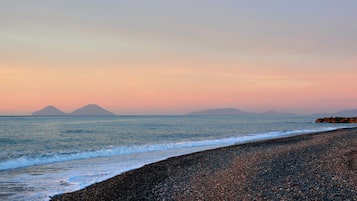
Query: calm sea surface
[(44, 156)]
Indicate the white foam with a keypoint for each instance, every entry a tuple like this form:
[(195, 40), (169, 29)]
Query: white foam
[(27, 161), (71, 174)]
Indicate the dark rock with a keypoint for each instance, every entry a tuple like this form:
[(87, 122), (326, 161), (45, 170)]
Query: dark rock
[(337, 120)]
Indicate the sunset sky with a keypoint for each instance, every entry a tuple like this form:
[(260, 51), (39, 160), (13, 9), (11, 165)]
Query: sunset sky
[(174, 57)]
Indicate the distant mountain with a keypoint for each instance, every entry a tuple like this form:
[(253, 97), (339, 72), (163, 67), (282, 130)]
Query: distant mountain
[(346, 113), (49, 111), (91, 110), (343, 113), (219, 111), (234, 112)]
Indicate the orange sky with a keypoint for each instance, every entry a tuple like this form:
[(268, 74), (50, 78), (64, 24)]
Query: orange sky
[(139, 58)]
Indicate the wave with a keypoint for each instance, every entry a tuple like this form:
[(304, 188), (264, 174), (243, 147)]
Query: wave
[(78, 131), (26, 161)]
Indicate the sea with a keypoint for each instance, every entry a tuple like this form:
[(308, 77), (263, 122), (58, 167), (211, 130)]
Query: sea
[(44, 156)]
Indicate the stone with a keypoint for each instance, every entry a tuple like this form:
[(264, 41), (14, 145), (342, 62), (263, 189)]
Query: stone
[(337, 120)]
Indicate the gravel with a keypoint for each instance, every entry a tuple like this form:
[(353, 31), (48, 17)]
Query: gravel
[(318, 166)]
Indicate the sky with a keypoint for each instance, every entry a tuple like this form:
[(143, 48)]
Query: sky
[(174, 57)]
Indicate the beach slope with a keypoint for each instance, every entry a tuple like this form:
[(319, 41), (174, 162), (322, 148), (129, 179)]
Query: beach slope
[(320, 166)]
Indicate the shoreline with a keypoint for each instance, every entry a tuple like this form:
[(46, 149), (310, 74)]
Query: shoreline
[(316, 166)]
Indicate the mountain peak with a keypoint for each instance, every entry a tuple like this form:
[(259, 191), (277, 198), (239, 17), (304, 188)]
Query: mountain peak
[(88, 110), (49, 111), (92, 110)]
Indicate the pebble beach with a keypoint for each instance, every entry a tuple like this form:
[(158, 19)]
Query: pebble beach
[(317, 166)]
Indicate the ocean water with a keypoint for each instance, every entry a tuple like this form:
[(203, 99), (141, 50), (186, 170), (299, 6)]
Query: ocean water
[(44, 156)]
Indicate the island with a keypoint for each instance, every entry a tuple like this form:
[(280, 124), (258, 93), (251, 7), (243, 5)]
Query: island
[(234, 112), (88, 110)]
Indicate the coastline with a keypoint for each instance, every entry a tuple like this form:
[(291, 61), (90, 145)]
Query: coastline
[(317, 166)]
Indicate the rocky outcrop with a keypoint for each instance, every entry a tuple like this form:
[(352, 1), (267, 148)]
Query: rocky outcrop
[(337, 120)]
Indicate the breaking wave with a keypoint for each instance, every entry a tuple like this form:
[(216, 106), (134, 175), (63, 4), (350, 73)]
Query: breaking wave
[(26, 161)]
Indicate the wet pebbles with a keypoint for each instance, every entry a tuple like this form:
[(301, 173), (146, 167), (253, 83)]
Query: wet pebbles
[(307, 167)]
